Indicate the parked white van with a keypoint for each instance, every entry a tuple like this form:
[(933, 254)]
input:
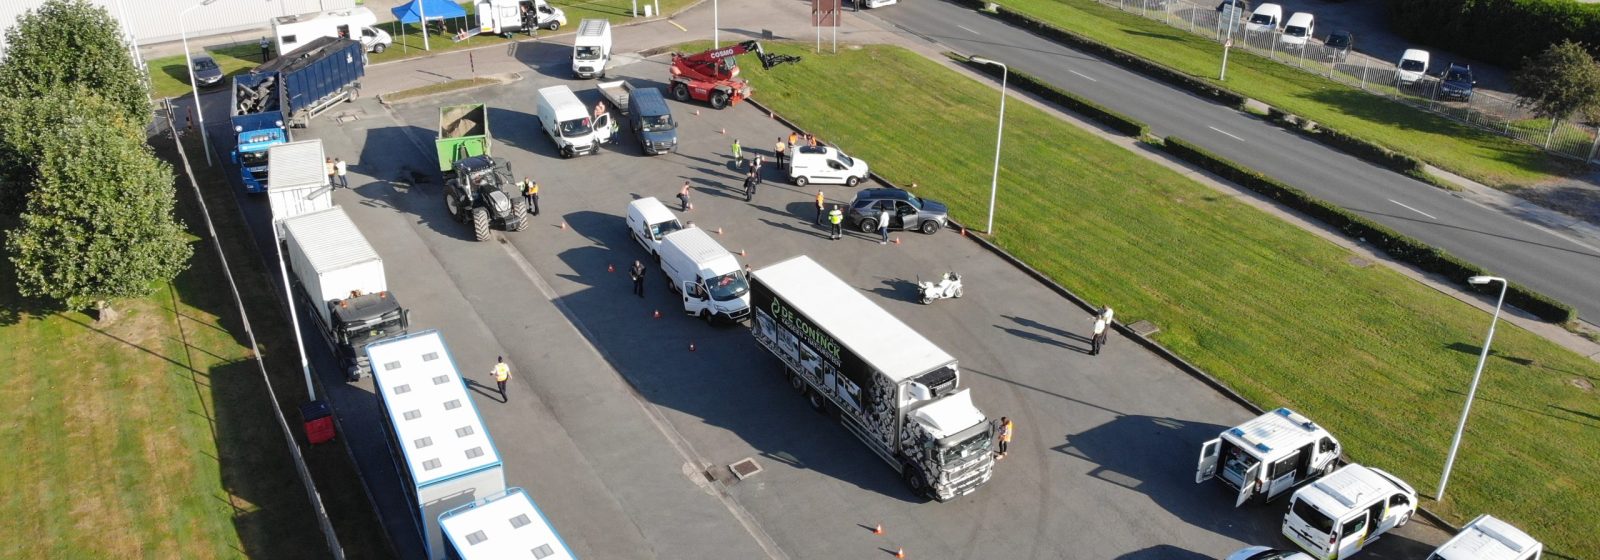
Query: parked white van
[(1298, 29), (293, 32), (707, 276), (1337, 516), (1267, 17), (823, 164), (504, 17), (1268, 455), (569, 124), (648, 222), (591, 49), (1412, 67), (1487, 538)]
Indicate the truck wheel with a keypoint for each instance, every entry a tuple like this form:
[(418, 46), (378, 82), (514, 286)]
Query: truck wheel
[(719, 99), (378, 48), (555, 24), (799, 385), (852, 181), (801, 181), (958, 292), (817, 402), (869, 225), (480, 224), (930, 227), (519, 211), (706, 316), (680, 92), (914, 479)]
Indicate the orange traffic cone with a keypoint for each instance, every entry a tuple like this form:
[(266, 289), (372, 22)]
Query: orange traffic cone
[(691, 346), (611, 268), (963, 231), (897, 240), (563, 225), (719, 231), (658, 313), (741, 252), (878, 530), (899, 552)]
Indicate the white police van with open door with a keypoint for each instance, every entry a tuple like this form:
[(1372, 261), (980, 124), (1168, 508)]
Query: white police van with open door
[(1268, 455), (1338, 515)]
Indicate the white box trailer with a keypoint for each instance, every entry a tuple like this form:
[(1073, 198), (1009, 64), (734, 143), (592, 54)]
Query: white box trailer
[(441, 448), (892, 388), (297, 183), (504, 526)]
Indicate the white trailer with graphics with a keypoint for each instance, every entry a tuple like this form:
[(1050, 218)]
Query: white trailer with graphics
[(895, 390)]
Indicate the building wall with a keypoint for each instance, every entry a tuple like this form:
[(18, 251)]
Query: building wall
[(155, 21)]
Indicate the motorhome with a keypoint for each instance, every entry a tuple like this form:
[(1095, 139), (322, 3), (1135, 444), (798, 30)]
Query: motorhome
[(569, 123), (1268, 455), (1341, 513), (504, 17), (649, 221), (705, 275), (359, 23)]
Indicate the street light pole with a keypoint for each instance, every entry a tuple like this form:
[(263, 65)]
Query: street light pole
[(1450, 461), (994, 180), (716, 26), (194, 87)]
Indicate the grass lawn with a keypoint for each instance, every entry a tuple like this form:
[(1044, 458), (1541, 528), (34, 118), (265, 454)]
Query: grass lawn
[(1487, 158), (1275, 312)]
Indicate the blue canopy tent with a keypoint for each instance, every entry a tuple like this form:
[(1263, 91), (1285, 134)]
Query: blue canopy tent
[(426, 10)]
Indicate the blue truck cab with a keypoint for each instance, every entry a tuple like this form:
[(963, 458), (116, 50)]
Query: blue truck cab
[(258, 121)]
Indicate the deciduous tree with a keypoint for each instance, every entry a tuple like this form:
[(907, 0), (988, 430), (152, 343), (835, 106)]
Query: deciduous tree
[(1562, 81)]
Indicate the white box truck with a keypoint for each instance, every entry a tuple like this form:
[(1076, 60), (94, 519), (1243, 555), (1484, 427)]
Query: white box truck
[(440, 446), (1487, 538), (1268, 455), (591, 49), (342, 285), (892, 388), (504, 17), (1341, 513), (296, 181), (569, 123), (293, 32), (707, 276)]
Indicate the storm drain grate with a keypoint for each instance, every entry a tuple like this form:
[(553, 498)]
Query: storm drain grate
[(745, 468), (344, 118), (1143, 328)]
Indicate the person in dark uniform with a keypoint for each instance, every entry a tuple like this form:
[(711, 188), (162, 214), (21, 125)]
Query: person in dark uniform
[(638, 277)]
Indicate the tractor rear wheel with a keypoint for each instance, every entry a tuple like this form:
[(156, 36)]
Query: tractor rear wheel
[(719, 99), (680, 92), (480, 224), (450, 206)]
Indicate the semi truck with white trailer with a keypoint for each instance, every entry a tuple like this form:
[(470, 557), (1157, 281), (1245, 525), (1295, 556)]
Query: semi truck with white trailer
[(438, 441), (342, 282), (296, 182), (886, 383)]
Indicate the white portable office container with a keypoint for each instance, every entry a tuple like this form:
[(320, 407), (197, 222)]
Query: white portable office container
[(331, 258), (505, 526), (444, 453), (296, 181)]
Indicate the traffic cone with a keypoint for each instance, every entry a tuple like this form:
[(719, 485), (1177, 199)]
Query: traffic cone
[(719, 231), (899, 552), (611, 268), (963, 231), (563, 225), (897, 240), (658, 313), (722, 131), (691, 346), (696, 112), (878, 530), (741, 252)]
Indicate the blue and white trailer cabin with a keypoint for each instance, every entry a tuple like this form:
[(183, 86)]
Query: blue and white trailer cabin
[(444, 454), (507, 526)]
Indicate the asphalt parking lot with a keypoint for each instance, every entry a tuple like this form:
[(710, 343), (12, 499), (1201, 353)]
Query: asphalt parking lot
[(612, 421)]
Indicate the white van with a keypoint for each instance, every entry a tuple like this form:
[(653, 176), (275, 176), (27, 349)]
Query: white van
[(1343, 512), (293, 32), (569, 124), (1268, 455), (823, 164), (1267, 17), (648, 222), (707, 276), (1487, 538), (591, 49), (1412, 67), (1297, 30)]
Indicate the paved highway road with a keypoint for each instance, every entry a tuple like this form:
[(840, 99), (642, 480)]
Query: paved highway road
[(1508, 246)]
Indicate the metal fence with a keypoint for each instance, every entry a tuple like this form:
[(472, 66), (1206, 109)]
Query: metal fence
[(1484, 110)]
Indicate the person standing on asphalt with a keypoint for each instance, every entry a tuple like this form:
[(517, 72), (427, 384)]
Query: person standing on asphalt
[(883, 225), (683, 196), (835, 218), (1107, 314), (1005, 437), (750, 184), (327, 167), (738, 154), (638, 277), (820, 207), (794, 140), (339, 169), (779, 152), (502, 374), (757, 165), (530, 194), (1099, 336)]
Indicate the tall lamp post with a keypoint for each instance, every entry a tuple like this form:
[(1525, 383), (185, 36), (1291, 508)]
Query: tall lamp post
[(1449, 462), (994, 181), (188, 60)]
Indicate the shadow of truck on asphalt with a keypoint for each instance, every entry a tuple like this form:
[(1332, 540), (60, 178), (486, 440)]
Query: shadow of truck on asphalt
[(655, 357)]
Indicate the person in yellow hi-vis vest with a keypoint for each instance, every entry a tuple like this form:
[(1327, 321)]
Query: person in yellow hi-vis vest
[(530, 194), (1005, 437), (502, 374)]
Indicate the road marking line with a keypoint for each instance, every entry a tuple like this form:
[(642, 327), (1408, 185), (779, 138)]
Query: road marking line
[(969, 30), (675, 24), (1083, 76), (1224, 133), (1430, 216)]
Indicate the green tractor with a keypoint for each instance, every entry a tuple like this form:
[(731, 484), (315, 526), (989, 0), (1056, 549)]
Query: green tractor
[(480, 191)]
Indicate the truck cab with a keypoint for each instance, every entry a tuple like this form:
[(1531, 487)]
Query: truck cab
[(1345, 511), (956, 457), (250, 153), (1268, 455), (591, 49), (361, 320), (1487, 538), (705, 275), (569, 123)]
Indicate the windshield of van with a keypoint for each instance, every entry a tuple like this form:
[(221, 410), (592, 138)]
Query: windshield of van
[(847, 160), (1294, 31), (1235, 463), (728, 286), (1312, 516), (960, 451), (576, 127), (586, 53), (658, 123), (1412, 65), (663, 228), (1261, 19)]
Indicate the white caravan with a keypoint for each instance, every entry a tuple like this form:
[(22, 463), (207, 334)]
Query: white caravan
[(1487, 538), (1337, 516), (293, 32), (1268, 455), (823, 164), (569, 124), (504, 17), (707, 276), (649, 221), (591, 49)]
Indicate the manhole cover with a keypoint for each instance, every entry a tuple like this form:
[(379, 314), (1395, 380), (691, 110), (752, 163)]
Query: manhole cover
[(1358, 262), (745, 468), (1143, 328), (345, 118)]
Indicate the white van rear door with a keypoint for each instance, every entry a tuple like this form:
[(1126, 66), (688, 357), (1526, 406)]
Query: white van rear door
[(1208, 461), (1252, 478)]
